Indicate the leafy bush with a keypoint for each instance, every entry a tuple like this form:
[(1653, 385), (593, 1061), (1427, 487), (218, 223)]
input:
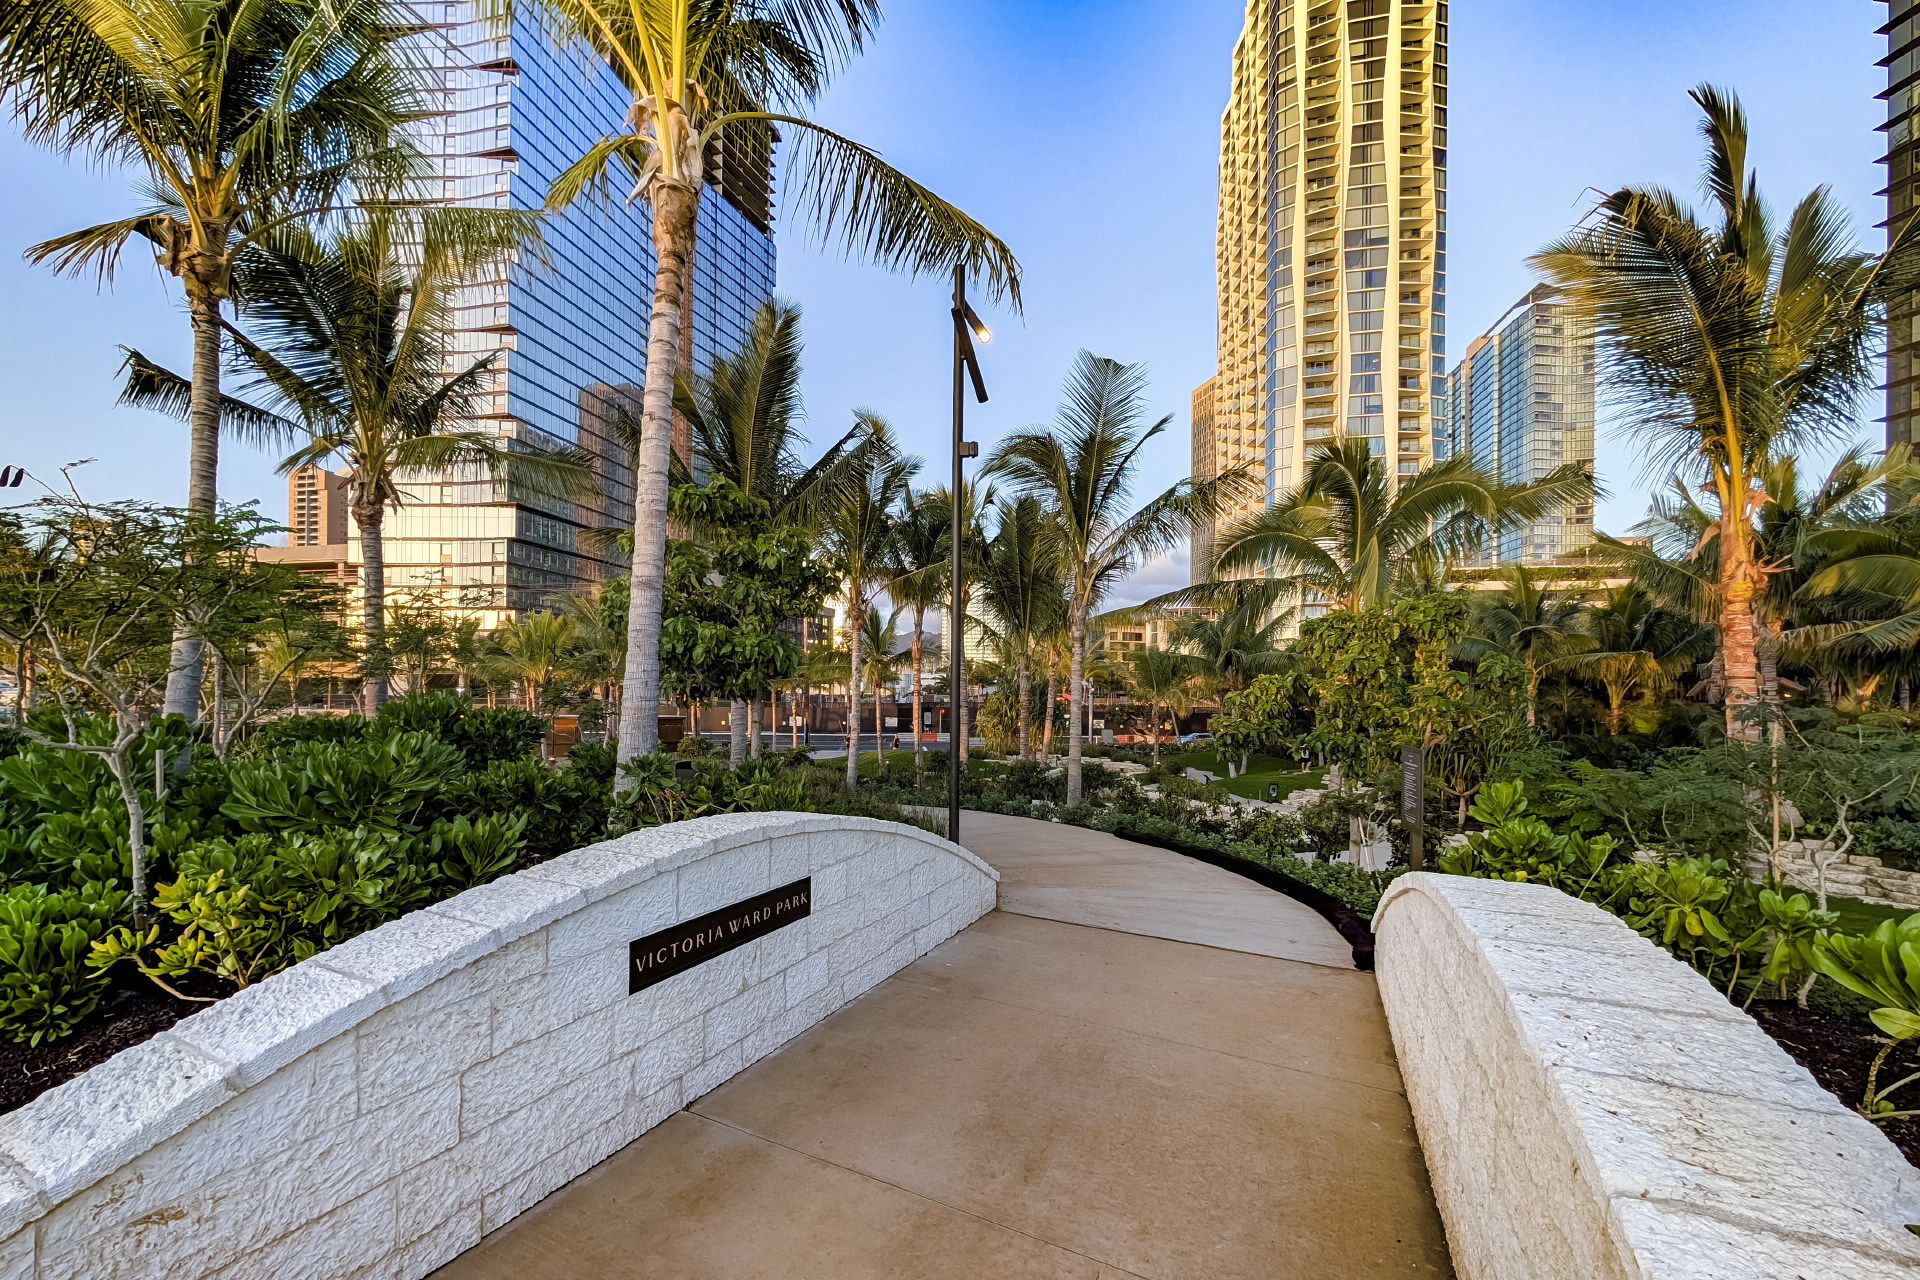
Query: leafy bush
[(491, 734), (1518, 846), (1884, 967), (46, 984), (560, 809), (313, 786), (277, 735)]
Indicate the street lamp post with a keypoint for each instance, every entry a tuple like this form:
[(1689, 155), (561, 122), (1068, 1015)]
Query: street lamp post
[(966, 325)]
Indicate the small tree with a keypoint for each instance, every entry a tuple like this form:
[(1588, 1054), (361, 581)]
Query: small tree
[(94, 590), (728, 597)]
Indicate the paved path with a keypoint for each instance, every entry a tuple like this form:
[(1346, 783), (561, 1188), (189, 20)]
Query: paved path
[(1080, 1085)]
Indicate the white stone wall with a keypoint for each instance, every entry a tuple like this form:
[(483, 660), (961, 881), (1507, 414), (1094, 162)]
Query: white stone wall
[(1591, 1108), (375, 1110)]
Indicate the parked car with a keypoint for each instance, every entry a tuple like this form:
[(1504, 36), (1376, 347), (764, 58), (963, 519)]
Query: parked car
[(1189, 738)]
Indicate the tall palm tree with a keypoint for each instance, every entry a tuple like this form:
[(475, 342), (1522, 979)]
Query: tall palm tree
[(239, 116), (1731, 343), (1634, 648), (1530, 620), (1161, 678), (1021, 588), (1346, 537), (1083, 470), (350, 334), (744, 415), (975, 501), (917, 583), (879, 668), (1858, 606), (727, 73), (533, 651), (856, 524), (1228, 651)]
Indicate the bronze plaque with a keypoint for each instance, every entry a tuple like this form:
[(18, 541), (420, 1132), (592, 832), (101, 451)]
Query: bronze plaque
[(661, 955)]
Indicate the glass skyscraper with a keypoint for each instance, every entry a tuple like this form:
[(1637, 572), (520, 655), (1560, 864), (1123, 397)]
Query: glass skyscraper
[(1521, 402), (570, 337), (1903, 195), (1332, 239)]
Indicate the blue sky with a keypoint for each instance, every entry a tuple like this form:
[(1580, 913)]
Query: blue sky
[(1087, 135)]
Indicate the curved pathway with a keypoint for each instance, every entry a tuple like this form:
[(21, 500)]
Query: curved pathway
[(1139, 1065)]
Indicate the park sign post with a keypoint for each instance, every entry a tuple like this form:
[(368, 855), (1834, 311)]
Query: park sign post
[(1413, 798)]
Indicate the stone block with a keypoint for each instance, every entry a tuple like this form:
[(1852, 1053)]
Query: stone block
[(740, 1016), (558, 997), (724, 879), (614, 921), (262, 1028), (79, 1132), (790, 857), (1670, 1243), (513, 906), (510, 1081), (551, 1123), (405, 955), (403, 1049), (453, 1236), (714, 1072), (666, 1057), (643, 1111), (20, 1203), (808, 976), (17, 1257), (328, 1248)]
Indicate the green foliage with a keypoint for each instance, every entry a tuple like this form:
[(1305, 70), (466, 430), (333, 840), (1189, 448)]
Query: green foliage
[(1884, 967), (46, 984), (728, 595), (660, 793), (559, 809), (314, 786), (275, 735), (1518, 846)]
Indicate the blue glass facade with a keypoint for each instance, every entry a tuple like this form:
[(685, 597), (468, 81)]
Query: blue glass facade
[(570, 335), (1521, 402)]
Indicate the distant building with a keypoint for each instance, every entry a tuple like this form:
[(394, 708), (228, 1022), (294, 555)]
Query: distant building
[(570, 342), (1521, 403), (1331, 243), (1903, 196), (317, 527), (1201, 546)]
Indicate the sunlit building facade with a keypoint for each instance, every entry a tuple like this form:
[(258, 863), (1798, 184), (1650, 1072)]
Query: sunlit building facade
[(1331, 241), (1903, 196), (1521, 403), (569, 339)]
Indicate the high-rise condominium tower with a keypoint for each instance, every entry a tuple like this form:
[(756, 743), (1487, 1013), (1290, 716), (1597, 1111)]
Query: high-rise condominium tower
[(1521, 403), (571, 340), (1903, 197), (1332, 234)]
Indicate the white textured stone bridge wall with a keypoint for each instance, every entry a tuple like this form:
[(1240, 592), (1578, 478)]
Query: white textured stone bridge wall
[(1591, 1108), (375, 1110)]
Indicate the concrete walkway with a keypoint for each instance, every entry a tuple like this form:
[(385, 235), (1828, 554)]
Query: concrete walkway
[(1139, 1066)]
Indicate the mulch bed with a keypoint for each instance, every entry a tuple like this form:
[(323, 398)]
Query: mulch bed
[(133, 1010), (1837, 1053)]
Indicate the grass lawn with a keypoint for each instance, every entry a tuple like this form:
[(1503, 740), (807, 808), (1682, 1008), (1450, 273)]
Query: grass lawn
[(1262, 772)]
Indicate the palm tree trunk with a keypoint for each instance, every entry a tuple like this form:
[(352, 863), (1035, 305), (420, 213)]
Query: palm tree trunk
[(1768, 664), (675, 208), (919, 755), (753, 727), (1153, 727), (879, 734), (1075, 696), (188, 659), (1053, 696), (737, 732), (1741, 663), (1026, 720), (856, 617), (373, 595)]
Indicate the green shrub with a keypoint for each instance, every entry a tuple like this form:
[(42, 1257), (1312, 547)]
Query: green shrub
[(560, 809), (490, 734), (46, 984), (277, 735), (313, 786)]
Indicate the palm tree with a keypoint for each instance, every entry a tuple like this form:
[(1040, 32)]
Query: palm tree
[(1858, 606), (240, 116), (918, 583), (879, 667), (532, 651), (856, 523), (1227, 652), (1161, 678), (350, 335), (975, 501), (724, 74), (1731, 343), (1351, 540), (1529, 620), (1083, 470), (1021, 587), (1633, 648)]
